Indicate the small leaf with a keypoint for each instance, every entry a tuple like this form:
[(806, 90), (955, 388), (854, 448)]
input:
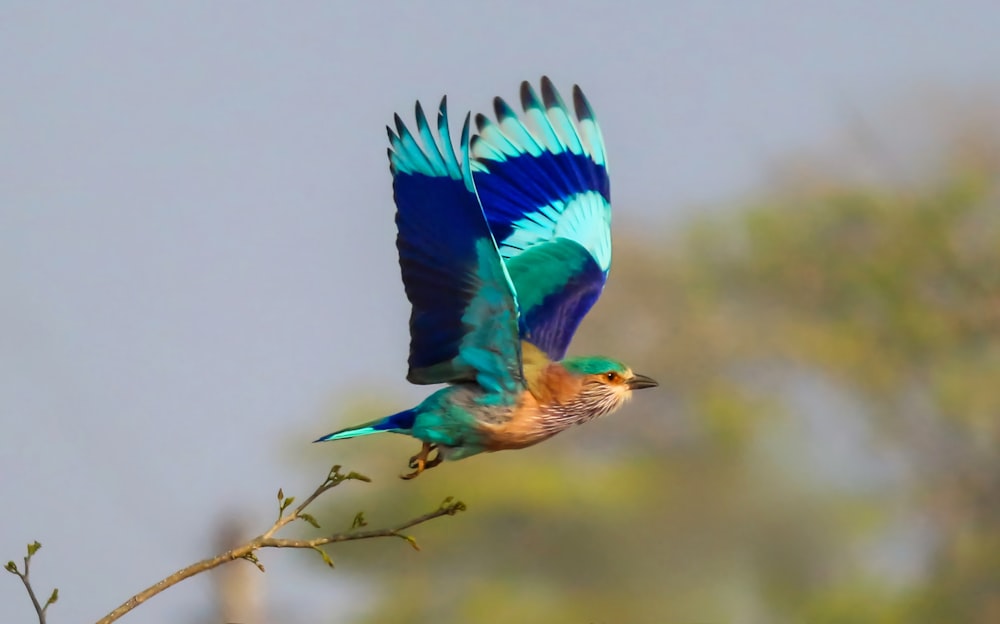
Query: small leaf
[(357, 476), (281, 494), (359, 520), (285, 504), (33, 548), (308, 518), (53, 598), (326, 558), (11, 567), (413, 541), (452, 508), (252, 558)]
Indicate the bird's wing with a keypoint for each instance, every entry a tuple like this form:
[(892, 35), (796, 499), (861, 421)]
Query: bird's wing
[(464, 321), (547, 199)]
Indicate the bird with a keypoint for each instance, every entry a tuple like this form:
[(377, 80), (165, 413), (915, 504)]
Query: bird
[(504, 245)]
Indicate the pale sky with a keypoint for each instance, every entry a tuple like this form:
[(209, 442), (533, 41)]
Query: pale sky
[(196, 227)]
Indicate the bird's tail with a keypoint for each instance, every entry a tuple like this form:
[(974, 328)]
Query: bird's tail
[(397, 423)]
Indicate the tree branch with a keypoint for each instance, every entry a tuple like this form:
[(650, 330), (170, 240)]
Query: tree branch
[(267, 539)]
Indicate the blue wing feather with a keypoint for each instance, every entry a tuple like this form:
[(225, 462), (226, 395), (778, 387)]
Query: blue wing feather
[(464, 320), (546, 196)]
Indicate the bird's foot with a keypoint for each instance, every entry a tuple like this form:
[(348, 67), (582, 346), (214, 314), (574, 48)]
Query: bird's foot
[(421, 461), (423, 455)]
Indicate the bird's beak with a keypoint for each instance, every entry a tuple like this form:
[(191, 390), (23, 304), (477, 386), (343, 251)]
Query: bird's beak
[(637, 382)]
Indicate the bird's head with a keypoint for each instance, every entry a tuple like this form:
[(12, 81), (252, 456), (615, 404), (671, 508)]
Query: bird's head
[(606, 384)]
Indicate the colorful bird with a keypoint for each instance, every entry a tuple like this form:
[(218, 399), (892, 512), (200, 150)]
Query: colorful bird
[(503, 247)]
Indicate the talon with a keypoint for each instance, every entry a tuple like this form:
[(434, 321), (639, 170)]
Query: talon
[(430, 463), (420, 463)]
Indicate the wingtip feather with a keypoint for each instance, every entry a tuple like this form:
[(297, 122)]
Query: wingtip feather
[(466, 127), (503, 110), (482, 122), (581, 105), (559, 117), (418, 112), (550, 95), (529, 99)]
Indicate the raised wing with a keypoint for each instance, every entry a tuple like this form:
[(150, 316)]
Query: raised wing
[(464, 321), (547, 199)]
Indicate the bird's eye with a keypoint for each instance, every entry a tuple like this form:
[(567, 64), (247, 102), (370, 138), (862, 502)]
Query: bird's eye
[(611, 376)]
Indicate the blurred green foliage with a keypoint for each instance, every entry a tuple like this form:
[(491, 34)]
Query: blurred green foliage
[(823, 448)]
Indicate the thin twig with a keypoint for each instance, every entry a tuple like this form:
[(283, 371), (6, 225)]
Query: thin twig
[(40, 609), (267, 540), (31, 593)]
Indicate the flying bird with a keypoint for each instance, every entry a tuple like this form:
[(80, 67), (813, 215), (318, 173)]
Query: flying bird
[(504, 246)]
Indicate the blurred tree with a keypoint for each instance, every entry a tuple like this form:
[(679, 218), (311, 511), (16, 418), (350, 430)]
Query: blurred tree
[(824, 447), (239, 590)]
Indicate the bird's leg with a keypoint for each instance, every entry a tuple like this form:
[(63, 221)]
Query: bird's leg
[(420, 461), (430, 463)]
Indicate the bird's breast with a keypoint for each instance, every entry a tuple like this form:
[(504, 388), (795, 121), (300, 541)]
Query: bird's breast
[(524, 427)]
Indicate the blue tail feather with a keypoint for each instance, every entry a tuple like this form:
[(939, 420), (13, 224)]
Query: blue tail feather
[(401, 422)]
